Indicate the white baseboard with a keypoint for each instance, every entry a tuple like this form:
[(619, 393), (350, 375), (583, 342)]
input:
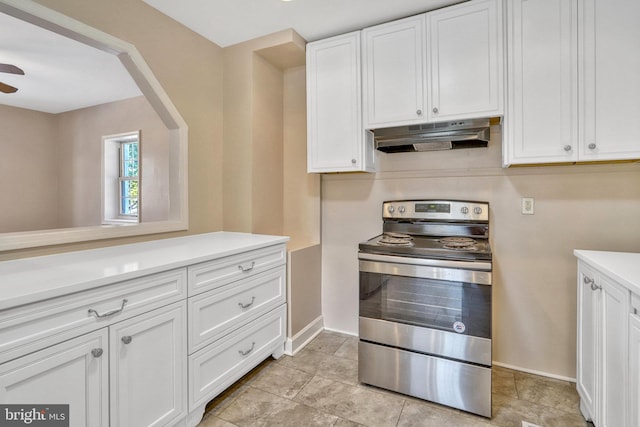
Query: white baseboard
[(341, 332), (531, 371), (304, 337)]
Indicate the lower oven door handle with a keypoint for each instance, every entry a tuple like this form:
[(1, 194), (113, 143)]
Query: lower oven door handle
[(425, 272)]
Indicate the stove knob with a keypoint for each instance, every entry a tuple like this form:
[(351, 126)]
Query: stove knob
[(477, 210), (391, 209), (401, 209), (464, 210)]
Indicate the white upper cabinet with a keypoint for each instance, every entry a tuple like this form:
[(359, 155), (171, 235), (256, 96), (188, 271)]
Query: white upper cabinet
[(394, 73), (541, 124), (610, 82), (465, 61), (573, 87), (336, 140)]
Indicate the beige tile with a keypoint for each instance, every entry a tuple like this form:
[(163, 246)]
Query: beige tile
[(281, 381), (225, 398), (323, 364), (349, 349), (547, 392), (259, 408), (509, 412), (353, 403), (420, 414), (503, 381), (326, 343), (213, 421)]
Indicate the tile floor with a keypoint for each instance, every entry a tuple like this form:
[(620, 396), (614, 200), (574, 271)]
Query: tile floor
[(319, 387)]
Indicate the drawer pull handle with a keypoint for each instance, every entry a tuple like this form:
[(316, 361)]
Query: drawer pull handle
[(253, 264), (96, 352), (108, 313), (127, 339), (253, 299), (244, 353)]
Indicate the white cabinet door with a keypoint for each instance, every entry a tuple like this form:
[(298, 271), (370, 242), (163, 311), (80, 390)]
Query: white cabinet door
[(394, 73), (634, 367), (465, 61), (614, 309), (74, 372), (587, 334), (336, 141), (148, 368), (541, 124), (609, 85)]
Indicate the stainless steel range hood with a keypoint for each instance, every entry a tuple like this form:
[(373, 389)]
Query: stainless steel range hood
[(434, 136)]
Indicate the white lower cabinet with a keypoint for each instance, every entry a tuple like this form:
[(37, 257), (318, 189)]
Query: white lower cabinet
[(75, 372), (602, 354), (124, 353), (148, 370), (132, 373), (219, 365), (634, 362)]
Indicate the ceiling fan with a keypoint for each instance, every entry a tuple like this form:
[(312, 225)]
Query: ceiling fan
[(12, 69)]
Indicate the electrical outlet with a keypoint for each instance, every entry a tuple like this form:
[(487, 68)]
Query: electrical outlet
[(528, 205), (528, 424)]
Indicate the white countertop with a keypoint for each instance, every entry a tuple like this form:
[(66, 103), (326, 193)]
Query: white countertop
[(623, 267), (28, 280)]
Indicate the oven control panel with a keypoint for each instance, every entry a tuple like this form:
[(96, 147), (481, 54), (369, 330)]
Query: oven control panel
[(447, 210)]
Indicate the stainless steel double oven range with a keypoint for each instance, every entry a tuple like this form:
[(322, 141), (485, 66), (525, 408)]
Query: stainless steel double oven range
[(425, 303)]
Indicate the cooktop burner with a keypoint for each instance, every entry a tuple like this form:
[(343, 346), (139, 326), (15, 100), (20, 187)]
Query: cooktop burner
[(459, 243), (396, 239)]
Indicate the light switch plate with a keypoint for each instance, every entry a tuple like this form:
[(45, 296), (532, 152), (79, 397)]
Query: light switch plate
[(528, 205)]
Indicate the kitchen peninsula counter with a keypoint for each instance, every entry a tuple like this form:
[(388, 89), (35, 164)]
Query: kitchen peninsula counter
[(28, 280)]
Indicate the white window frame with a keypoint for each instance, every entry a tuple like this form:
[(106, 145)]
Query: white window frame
[(112, 165)]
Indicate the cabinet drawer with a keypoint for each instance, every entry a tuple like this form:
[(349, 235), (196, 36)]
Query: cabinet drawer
[(35, 326), (215, 313), (210, 275), (216, 367)]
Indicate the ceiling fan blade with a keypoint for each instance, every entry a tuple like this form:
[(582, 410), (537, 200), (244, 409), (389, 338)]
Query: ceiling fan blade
[(7, 89), (9, 68)]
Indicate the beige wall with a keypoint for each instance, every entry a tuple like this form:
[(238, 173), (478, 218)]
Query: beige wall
[(534, 282), (58, 160), (266, 187), (79, 139), (28, 176), (301, 190), (189, 68)]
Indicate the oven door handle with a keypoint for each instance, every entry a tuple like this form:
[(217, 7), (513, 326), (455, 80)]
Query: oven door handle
[(468, 265), (378, 266)]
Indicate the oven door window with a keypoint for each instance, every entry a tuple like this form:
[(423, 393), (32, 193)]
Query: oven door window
[(463, 308)]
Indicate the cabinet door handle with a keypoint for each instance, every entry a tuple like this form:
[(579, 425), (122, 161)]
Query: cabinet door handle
[(567, 148), (253, 299), (589, 281), (127, 339), (419, 112), (244, 353), (435, 110), (592, 146), (108, 313), (242, 268), (96, 352)]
